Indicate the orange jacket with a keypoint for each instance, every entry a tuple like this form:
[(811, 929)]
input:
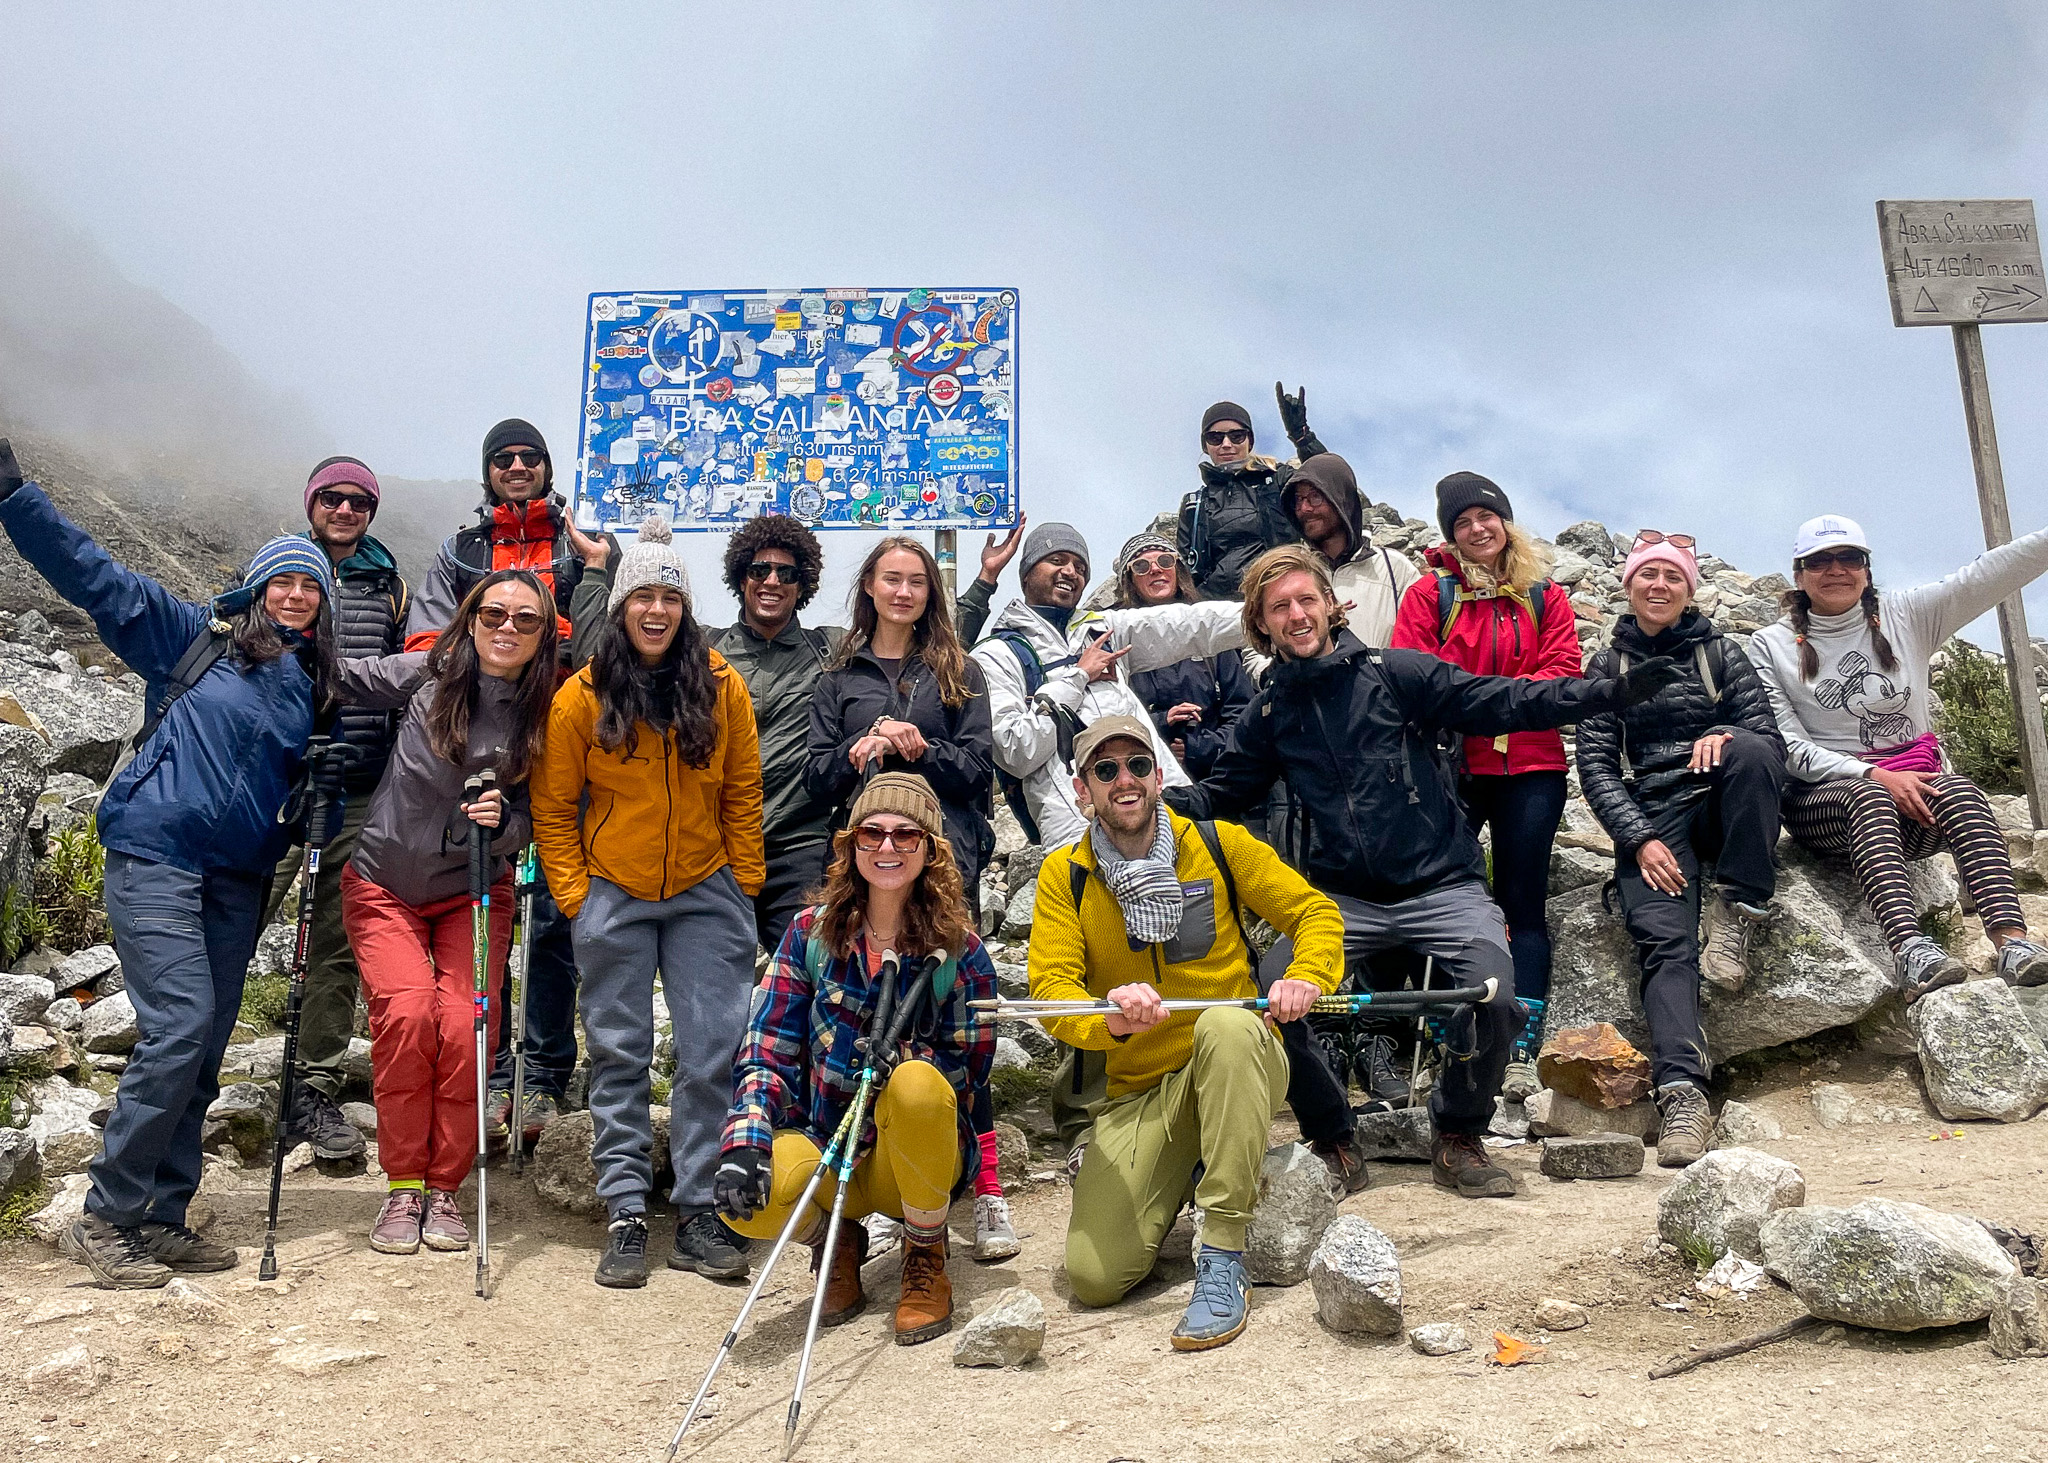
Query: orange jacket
[(652, 824)]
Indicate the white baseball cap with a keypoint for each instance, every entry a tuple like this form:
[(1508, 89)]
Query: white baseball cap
[(1829, 531)]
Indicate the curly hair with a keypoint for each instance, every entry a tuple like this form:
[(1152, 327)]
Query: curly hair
[(1269, 569), (775, 531), (935, 918)]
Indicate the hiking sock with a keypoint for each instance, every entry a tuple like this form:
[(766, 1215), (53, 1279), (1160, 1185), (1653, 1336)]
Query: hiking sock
[(985, 1181), (417, 1185), (918, 1234)]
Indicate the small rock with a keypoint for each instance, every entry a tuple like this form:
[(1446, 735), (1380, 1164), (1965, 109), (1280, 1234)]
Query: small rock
[(57, 1308), (1553, 1314), (1009, 1331), (1357, 1279), (1595, 1064), (2019, 1318), (1717, 1204), (299, 1159), (1510, 1119), (64, 1014), (72, 1372), (1439, 1338), (310, 1359), (1595, 1156), (1560, 1115), (1009, 1053), (1742, 1126), (1979, 1054), (190, 1301), (66, 1208), (248, 1110), (1018, 912), (262, 1059), (362, 1117), (1013, 1153), (21, 1162), (109, 1025), (1884, 1264), (1403, 1133), (86, 969), (1294, 1208), (24, 998), (1838, 1107)]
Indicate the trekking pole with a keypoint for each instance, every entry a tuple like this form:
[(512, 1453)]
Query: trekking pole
[(529, 876), (1349, 1004), (319, 831), (1421, 1032), (480, 967)]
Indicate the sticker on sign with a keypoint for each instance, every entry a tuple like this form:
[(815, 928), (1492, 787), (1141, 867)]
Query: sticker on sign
[(1963, 261)]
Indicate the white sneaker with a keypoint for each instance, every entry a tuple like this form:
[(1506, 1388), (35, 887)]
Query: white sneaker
[(993, 1237)]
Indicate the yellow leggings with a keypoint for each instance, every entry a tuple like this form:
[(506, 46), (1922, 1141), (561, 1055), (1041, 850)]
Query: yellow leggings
[(915, 1160)]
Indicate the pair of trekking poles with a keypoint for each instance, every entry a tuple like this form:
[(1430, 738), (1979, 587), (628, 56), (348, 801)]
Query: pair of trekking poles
[(322, 819)]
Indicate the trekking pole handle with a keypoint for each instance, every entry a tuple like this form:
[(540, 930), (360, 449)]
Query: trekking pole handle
[(479, 842)]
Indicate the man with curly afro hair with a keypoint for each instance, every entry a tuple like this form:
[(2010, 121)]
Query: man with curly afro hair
[(772, 566)]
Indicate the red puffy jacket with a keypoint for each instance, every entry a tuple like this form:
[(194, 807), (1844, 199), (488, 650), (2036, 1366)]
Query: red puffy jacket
[(1495, 635)]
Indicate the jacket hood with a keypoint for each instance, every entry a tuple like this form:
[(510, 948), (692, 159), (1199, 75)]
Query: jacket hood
[(1332, 476), (1021, 617), (1692, 628), (369, 557), (1345, 648)]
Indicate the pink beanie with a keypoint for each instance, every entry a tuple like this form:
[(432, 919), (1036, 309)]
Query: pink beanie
[(1662, 553), (338, 472)]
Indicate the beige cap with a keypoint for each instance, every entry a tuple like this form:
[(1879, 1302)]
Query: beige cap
[(1107, 729), (906, 795)]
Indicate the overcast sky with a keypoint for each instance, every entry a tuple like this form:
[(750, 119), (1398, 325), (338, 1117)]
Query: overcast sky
[(1621, 258)]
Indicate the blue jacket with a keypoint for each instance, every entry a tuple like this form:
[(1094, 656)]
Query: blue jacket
[(203, 793)]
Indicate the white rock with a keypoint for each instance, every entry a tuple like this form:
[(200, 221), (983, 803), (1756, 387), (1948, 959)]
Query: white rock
[(1743, 1126), (1357, 1279), (1553, 1314), (1439, 1338), (21, 1162), (24, 998), (66, 1207), (1840, 1107), (110, 1025), (72, 1372), (1293, 1209), (1716, 1205), (1009, 1331), (2019, 1318), (1886, 1265), (1979, 1054), (88, 967), (1009, 1053), (189, 1301)]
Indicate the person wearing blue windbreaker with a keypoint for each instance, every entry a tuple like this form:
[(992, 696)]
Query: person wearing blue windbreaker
[(191, 829)]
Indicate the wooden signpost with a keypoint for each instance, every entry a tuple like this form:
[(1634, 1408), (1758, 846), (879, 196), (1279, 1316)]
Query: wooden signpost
[(1966, 263)]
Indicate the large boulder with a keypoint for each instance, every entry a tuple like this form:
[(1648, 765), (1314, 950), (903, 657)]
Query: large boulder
[(1979, 1054), (1357, 1279), (24, 768), (1717, 1204), (1294, 1208), (562, 1169), (1887, 1265), (87, 718)]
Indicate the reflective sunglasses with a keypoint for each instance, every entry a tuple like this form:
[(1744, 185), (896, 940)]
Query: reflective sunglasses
[(1235, 437), (526, 622), (1829, 558), (1105, 771), (518, 457), (869, 839), (1677, 540), (1154, 563), (334, 502), (761, 571)]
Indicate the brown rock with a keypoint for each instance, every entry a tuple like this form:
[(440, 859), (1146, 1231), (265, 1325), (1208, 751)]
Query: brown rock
[(1596, 1065)]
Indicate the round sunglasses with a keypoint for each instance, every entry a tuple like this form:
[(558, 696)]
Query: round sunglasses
[(1106, 770), (525, 622)]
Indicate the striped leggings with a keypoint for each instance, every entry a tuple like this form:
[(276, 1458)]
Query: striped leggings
[(1858, 817)]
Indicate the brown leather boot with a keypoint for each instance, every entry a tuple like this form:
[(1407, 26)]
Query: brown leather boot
[(926, 1309), (844, 1299)]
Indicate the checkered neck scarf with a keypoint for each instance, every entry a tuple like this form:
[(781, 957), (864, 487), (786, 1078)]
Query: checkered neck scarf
[(1146, 889)]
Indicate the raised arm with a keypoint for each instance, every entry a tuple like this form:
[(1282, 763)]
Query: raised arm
[(1942, 608), (1435, 693), (1160, 635), (379, 682)]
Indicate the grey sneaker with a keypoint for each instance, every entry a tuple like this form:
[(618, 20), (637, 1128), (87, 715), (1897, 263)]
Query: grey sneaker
[(1221, 1303), (1924, 966), (994, 1238), (1520, 1083), (2022, 962), (705, 1245), (115, 1254), (1724, 941), (1688, 1125), (184, 1251)]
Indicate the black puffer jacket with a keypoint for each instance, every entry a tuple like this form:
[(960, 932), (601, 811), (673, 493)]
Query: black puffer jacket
[(370, 602), (1355, 734), (1634, 763), (1219, 685), (1237, 514)]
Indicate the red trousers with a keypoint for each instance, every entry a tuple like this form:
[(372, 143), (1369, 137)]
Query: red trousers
[(420, 984)]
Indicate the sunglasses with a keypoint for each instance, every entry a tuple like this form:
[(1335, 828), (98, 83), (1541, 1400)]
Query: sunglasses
[(1106, 770), (526, 622), (869, 839), (334, 502), (1676, 540), (1154, 563), (1236, 438), (1844, 558), (518, 457), (761, 571)]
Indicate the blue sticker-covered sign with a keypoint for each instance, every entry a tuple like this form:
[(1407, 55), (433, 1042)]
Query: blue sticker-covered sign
[(846, 408)]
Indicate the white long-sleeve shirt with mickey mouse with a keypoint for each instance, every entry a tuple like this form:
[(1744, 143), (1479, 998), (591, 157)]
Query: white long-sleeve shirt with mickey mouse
[(1853, 707)]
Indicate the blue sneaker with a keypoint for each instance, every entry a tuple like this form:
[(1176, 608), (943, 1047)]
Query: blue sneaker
[(1222, 1302)]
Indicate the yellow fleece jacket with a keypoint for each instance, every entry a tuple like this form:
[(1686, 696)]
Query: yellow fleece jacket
[(652, 824), (1085, 953)]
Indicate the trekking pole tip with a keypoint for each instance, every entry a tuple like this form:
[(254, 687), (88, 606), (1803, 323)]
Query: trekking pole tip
[(268, 1269)]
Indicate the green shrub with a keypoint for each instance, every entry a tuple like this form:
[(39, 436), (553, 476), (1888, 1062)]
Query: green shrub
[(15, 1212), (1974, 716), (70, 889), (22, 925), (263, 1000)]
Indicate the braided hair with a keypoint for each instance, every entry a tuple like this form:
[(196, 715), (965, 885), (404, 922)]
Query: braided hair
[(1799, 608)]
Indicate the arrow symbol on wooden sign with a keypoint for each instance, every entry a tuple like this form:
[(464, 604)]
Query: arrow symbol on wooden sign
[(1990, 300)]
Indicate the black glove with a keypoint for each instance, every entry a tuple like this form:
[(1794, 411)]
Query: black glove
[(740, 1187), (1293, 411), (10, 470), (327, 767), (1646, 680)]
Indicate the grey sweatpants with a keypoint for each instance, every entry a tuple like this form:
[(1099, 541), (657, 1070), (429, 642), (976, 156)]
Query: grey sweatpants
[(702, 941)]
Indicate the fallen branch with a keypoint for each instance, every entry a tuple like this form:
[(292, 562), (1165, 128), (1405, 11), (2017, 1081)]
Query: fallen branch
[(1727, 1349)]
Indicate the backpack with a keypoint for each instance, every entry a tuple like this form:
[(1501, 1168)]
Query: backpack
[(208, 646), (1449, 596), (943, 979), (1699, 655), (1067, 724)]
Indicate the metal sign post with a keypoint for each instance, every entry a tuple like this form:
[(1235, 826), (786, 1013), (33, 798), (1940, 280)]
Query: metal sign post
[(946, 549), (1964, 264)]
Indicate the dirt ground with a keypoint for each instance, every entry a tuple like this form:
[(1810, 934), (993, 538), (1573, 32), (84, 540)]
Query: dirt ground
[(555, 1368)]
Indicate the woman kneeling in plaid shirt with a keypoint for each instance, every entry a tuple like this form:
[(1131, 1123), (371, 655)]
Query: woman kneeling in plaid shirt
[(892, 885)]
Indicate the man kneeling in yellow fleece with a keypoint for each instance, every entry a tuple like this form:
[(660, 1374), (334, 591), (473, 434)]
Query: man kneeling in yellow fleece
[(1143, 909)]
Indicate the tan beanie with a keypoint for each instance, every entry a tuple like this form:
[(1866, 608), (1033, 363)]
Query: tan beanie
[(903, 793)]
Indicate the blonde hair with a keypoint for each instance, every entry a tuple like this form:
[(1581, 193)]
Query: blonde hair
[(1269, 569), (1522, 562)]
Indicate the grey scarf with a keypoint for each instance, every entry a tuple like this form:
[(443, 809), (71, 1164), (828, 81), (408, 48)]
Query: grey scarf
[(1146, 889)]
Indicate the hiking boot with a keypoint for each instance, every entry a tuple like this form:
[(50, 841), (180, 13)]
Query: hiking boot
[(496, 1111), (1688, 1125), (844, 1298), (397, 1230), (540, 1110), (623, 1266), (1221, 1304), (1724, 941), (443, 1228), (994, 1239), (115, 1254), (2022, 962), (1458, 1161), (184, 1251), (1520, 1082), (925, 1308), (1924, 966), (316, 1120), (705, 1245), (1346, 1166), (1378, 1069)]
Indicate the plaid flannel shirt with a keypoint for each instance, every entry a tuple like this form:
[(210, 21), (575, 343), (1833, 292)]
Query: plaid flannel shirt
[(798, 1065)]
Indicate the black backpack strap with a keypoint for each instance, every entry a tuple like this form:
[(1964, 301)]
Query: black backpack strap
[(1077, 877), (1207, 828), (1538, 592), (199, 657)]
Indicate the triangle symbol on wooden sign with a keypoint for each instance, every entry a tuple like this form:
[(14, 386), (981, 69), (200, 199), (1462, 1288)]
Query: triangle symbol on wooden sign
[(1925, 304)]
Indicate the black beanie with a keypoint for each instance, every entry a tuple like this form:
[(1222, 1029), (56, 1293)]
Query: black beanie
[(1229, 411), (512, 432), (1462, 490)]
